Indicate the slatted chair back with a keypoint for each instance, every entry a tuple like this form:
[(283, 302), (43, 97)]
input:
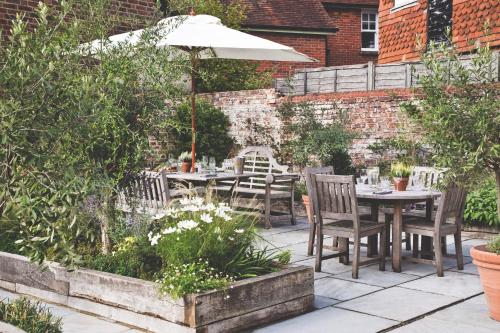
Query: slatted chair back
[(451, 205), (334, 197), (147, 189), (260, 160), (309, 172), (428, 177)]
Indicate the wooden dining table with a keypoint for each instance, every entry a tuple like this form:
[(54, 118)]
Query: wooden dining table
[(398, 200)]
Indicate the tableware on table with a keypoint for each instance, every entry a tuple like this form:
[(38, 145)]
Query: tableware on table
[(385, 184), (373, 175), (363, 175), (212, 165), (239, 163)]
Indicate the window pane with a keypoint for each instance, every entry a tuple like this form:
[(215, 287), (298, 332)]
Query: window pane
[(365, 25), (364, 17), (440, 19), (372, 17), (372, 25), (368, 40)]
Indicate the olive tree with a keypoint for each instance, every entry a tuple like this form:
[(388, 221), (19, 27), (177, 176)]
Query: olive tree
[(72, 125), (460, 112)]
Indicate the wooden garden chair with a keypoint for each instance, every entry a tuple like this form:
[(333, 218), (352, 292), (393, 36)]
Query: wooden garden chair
[(334, 200), (450, 207)]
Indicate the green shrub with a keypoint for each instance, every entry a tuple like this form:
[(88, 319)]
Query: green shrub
[(494, 245), (212, 138), (481, 205), (29, 316), (132, 257)]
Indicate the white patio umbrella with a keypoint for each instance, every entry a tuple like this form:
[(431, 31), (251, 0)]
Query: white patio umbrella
[(204, 36)]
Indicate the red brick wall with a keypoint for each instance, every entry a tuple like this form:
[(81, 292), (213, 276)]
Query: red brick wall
[(398, 31), (131, 12), (345, 46), (312, 45)]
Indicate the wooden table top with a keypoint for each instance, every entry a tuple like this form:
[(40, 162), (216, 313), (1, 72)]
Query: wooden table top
[(205, 177), (367, 192)]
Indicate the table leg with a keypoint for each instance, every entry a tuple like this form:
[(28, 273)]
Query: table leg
[(397, 226), (426, 251), (372, 249)]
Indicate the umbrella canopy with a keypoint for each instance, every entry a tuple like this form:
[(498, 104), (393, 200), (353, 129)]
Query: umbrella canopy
[(202, 36)]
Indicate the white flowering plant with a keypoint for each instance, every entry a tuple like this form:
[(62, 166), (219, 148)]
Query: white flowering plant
[(210, 241)]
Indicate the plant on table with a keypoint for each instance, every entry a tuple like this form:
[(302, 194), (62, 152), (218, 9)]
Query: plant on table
[(208, 239), (400, 172), (29, 316), (186, 159)]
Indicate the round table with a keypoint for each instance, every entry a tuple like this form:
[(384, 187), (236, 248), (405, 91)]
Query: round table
[(398, 200)]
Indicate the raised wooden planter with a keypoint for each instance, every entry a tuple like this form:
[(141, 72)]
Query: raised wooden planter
[(136, 302)]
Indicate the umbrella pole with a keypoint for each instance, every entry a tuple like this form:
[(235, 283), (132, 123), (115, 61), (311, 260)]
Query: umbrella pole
[(193, 113)]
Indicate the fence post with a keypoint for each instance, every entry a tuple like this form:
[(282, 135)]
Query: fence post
[(305, 82), (335, 80), (370, 84), (408, 76)]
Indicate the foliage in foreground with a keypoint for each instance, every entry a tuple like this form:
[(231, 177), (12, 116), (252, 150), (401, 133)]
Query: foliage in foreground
[(71, 126), (481, 205), (459, 113), (29, 316)]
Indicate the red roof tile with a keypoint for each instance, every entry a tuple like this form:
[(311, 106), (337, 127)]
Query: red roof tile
[(292, 14)]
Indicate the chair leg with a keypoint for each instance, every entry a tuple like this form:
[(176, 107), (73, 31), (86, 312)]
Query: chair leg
[(355, 259), (415, 245), (387, 222), (408, 241), (312, 233), (439, 255), (458, 250), (319, 248), (292, 210), (343, 247), (383, 236), (267, 216), (335, 242)]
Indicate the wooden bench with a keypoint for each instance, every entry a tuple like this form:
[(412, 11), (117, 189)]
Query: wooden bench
[(272, 184)]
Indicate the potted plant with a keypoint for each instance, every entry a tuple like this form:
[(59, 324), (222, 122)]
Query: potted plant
[(185, 159), (400, 173), (487, 260)]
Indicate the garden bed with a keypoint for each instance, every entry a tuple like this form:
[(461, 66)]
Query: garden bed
[(247, 303)]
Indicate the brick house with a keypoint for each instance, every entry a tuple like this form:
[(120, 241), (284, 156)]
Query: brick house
[(403, 22), (331, 31)]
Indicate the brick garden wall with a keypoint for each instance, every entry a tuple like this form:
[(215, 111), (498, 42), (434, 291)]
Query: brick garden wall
[(400, 30), (371, 115)]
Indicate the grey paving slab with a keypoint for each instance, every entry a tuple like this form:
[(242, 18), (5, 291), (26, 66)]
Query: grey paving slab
[(454, 284), (290, 238), (78, 323), (418, 269), (331, 266), (468, 269), (330, 319), (431, 325), (321, 302), (378, 278), (60, 311), (472, 312), (341, 289), (7, 295), (398, 303), (467, 245)]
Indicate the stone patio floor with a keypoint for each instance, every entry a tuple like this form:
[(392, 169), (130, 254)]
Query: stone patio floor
[(415, 300)]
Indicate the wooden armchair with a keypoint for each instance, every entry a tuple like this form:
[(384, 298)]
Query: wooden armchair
[(272, 184), (334, 199)]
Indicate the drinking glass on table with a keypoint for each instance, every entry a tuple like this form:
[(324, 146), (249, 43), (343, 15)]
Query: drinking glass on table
[(212, 165), (385, 184)]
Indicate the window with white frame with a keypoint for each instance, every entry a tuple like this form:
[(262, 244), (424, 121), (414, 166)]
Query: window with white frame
[(369, 33), (401, 3)]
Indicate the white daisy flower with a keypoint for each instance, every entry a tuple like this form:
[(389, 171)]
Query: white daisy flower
[(187, 224), (239, 231), (206, 218), (169, 230)]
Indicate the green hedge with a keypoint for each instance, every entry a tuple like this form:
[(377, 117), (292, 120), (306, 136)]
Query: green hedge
[(481, 206)]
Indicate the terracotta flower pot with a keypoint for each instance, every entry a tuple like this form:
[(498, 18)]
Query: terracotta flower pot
[(488, 265), (400, 184), (305, 199), (185, 166)]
